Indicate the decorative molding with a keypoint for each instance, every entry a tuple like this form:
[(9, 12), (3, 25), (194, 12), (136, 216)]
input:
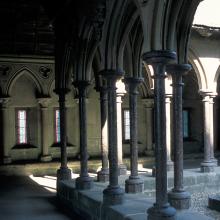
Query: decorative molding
[(45, 71)]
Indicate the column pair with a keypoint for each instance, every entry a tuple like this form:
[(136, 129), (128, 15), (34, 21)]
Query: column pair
[(113, 194), (209, 162), (64, 173), (161, 209), (178, 197)]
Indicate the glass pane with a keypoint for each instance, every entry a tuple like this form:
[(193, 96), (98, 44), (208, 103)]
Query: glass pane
[(22, 127)]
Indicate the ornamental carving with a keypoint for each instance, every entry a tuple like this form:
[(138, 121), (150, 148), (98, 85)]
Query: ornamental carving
[(4, 70), (45, 71)]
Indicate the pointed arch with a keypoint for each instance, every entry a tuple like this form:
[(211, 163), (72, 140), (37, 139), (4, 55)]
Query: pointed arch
[(23, 71), (199, 70)]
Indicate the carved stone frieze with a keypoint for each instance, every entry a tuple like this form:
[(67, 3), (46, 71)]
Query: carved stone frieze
[(45, 72)]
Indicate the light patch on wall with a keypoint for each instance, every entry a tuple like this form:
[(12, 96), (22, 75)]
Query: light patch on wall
[(208, 13)]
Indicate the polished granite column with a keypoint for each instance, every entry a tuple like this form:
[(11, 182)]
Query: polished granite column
[(207, 165), (178, 197), (64, 173), (113, 194), (84, 181), (161, 208), (134, 184), (103, 174)]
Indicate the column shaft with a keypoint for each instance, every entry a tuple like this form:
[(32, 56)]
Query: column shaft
[(84, 181), (63, 173), (207, 165), (103, 175), (134, 184)]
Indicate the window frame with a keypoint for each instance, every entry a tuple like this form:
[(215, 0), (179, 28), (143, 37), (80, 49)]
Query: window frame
[(56, 127), (123, 125), (18, 126)]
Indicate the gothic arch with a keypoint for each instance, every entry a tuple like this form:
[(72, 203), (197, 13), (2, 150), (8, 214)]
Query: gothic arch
[(199, 70), (17, 75), (216, 78)]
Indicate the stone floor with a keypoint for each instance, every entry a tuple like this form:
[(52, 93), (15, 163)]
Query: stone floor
[(21, 198)]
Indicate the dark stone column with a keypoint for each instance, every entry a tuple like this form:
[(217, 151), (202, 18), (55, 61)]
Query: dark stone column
[(103, 174), (64, 173), (178, 197), (84, 181), (207, 165), (134, 184), (212, 148), (113, 194), (161, 209)]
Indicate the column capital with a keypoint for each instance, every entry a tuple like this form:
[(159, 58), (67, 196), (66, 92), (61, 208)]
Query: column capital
[(44, 102), (5, 101), (112, 75), (178, 69), (133, 83), (206, 92), (159, 57)]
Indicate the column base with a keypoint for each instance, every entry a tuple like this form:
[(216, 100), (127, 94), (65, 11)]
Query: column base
[(113, 196), (179, 200), (122, 169), (103, 175), (64, 174), (134, 185), (207, 167), (161, 213), (170, 165), (45, 158), (84, 183), (7, 160), (215, 161)]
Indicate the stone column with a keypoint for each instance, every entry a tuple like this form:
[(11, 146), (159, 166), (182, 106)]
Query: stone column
[(5, 129), (161, 209), (120, 93), (45, 156), (84, 181), (178, 197), (207, 165), (134, 184), (64, 173), (113, 194), (103, 174), (212, 148), (168, 133), (148, 104)]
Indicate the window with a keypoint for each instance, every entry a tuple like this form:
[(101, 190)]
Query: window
[(126, 124), (186, 124), (57, 126), (22, 127)]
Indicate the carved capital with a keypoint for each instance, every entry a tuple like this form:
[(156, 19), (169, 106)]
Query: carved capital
[(5, 102), (44, 102)]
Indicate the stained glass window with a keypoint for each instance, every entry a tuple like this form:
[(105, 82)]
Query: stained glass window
[(126, 120), (22, 126), (57, 124)]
